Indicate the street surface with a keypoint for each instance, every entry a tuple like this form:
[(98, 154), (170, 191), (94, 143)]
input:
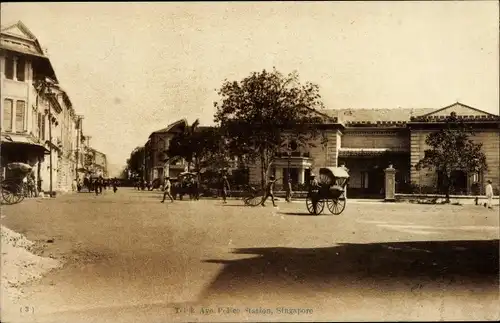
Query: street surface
[(130, 258)]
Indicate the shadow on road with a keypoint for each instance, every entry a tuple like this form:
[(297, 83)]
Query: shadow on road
[(360, 268), (302, 214)]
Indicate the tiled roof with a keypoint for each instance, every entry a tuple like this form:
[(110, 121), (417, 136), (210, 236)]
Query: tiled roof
[(375, 115), (172, 126)]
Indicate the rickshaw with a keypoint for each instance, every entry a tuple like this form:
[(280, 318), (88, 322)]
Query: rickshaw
[(13, 187), (330, 191), (183, 185)]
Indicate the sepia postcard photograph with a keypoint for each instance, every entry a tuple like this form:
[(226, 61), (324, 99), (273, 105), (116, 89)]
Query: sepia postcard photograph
[(254, 161)]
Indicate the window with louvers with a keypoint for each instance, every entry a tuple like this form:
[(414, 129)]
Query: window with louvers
[(7, 115), (20, 115)]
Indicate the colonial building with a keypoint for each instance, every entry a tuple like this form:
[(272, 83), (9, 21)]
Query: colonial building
[(367, 141), (156, 162), (39, 125)]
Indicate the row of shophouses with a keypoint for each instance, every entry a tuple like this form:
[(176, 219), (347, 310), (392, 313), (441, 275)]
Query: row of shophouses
[(366, 142), (40, 127)]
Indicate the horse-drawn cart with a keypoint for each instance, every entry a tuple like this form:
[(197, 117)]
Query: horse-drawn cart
[(330, 191)]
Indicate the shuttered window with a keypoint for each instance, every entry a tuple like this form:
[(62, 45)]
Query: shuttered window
[(9, 67), (20, 116), (7, 115), (21, 69)]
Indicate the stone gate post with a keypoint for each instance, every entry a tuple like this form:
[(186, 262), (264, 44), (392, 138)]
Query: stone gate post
[(390, 184)]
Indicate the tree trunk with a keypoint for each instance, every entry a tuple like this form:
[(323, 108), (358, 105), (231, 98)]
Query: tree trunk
[(447, 187)]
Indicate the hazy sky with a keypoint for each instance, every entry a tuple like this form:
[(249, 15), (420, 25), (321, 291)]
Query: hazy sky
[(134, 68)]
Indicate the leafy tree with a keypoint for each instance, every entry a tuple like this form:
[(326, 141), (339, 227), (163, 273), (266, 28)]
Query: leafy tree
[(201, 146), (184, 144), (88, 161), (451, 149), (135, 163), (124, 173), (260, 112)]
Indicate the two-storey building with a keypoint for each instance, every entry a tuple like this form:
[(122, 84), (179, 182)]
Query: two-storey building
[(157, 164)]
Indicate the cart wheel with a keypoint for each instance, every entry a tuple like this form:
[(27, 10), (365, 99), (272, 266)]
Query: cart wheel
[(336, 206), (7, 195), (12, 193), (320, 205), (253, 200)]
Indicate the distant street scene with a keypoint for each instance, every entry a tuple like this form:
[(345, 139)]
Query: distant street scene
[(180, 162)]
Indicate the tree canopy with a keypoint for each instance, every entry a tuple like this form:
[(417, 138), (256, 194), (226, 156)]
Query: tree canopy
[(259, 113), (199, 146), (135, 163), (452, 149)]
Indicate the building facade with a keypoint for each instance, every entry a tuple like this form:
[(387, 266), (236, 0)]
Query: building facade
[(39, 125), (367, 141), (156, 163)]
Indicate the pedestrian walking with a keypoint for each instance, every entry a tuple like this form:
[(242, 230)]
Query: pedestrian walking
[(225, 188), (96, 186), (86, 183), (269, 191), (115, 185), (101, 184), (196, 189), (489, 195), (288, 190), (78, 185), (314, 190), (166, 190)]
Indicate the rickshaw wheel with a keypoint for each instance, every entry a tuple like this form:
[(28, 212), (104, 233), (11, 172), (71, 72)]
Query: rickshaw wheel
[(7, 195), (320, 205), (336, 206), (253, 200), (12, 193)]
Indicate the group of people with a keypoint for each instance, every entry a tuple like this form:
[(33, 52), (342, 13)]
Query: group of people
[(96, 184), (269, 193), (188, 186)]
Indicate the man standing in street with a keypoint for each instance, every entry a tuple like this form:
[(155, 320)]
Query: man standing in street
[(269, 191), (115, 185), (489, 194), (288, 190), (225, 188), (96, 186), (101, 184), (166, 190)]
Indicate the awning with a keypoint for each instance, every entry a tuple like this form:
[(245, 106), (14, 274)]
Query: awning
[(355, 152), (15, 142)]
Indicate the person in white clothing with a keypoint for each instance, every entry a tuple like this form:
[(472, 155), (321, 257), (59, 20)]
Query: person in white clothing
[(489, 194)]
